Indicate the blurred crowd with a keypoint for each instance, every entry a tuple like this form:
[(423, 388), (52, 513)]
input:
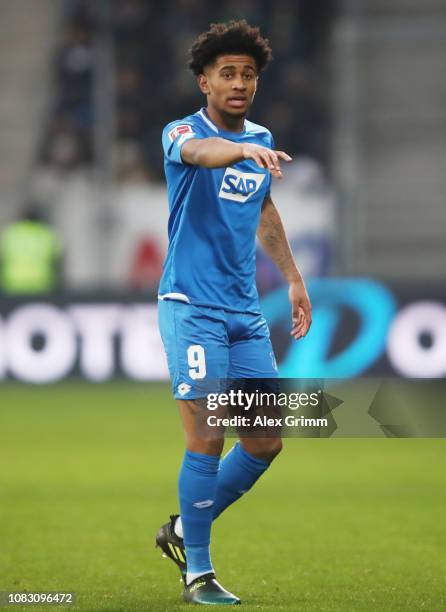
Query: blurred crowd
[(153, 86)]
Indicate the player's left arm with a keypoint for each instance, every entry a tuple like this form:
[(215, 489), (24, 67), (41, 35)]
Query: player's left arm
[(272, 237)]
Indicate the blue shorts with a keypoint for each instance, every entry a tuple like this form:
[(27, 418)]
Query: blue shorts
[(210, 344)]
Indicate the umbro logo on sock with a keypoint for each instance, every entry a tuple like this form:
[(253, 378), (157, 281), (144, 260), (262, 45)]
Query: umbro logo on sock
[(203, 504)]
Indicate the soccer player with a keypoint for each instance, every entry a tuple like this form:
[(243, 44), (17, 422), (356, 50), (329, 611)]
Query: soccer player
[(218, 167)]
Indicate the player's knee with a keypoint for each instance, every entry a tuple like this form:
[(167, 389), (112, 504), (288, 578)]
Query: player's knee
[(263, 448), (273, 447), (206, 446)]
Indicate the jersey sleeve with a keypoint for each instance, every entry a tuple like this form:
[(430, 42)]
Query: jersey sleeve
[(175, 134)]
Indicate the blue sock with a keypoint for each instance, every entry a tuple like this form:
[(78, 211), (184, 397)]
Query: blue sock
[(238, 472), (197, 488)]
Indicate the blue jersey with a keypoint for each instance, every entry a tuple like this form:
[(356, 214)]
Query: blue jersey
[(213, 219)]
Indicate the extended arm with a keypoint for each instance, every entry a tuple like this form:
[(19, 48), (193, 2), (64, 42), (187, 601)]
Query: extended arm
[(271, 235), (219, 152)]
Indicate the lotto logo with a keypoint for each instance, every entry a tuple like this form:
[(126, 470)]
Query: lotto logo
[(179, 129), (201, 505), (184, 388), (240, 186)]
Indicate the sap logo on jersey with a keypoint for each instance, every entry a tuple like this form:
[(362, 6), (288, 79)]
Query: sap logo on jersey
[(240, 186)]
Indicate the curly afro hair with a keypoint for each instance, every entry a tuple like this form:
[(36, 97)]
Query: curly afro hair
[(233, 37)]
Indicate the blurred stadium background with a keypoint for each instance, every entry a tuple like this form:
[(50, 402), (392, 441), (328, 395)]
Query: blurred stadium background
[(356, 95)]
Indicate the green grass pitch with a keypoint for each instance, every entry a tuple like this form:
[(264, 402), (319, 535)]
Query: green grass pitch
[(88, 473)]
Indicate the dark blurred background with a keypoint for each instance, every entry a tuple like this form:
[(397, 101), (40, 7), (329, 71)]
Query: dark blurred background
[(149, 43)]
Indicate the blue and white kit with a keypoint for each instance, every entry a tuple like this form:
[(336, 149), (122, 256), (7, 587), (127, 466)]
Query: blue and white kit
[(209, 313)]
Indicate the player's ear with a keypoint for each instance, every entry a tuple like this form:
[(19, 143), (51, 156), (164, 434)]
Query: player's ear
[(203, 83)]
